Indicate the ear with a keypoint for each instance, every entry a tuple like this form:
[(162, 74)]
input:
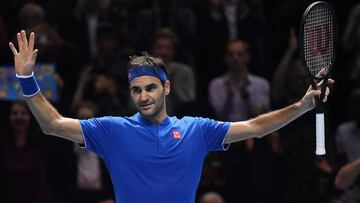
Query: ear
[(167, 87)]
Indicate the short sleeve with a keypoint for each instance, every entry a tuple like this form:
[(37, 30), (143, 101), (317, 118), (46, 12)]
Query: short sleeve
[(97, 132), (214, 133)]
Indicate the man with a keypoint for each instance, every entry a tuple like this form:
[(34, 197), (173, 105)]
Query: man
[(181, 76), (151, 157), (238, 94)]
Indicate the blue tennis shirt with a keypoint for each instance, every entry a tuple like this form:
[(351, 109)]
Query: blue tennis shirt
[(154, 163)]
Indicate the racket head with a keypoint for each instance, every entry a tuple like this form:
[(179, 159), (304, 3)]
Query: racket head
[(318, 40)]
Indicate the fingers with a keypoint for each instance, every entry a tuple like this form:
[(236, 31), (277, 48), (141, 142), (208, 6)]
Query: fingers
[(23, 43), (327, 93), (35, 53), (13, 49), (20, 42), (24, 39), (329, 82), (32, 41)]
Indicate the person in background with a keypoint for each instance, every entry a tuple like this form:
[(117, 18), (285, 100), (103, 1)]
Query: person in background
[(211, 197), (92, 182), (181, 76), (347, 143), (23, 164)]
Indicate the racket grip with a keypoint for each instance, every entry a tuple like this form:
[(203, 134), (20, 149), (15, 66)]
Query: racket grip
[(320, 134)]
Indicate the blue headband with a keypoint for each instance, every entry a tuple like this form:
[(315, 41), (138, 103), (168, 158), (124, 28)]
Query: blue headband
[(146, 70)]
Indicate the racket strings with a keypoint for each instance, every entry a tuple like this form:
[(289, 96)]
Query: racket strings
[(319, 39)]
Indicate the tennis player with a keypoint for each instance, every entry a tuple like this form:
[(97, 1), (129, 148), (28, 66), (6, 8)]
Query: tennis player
[(151, 157)]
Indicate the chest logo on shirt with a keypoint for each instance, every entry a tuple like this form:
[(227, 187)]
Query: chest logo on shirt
[(176, 134)]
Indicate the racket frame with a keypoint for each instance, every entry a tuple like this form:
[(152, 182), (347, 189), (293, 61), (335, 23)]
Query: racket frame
[(320, 124)]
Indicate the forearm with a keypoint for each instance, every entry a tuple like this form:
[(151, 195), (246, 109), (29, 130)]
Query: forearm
[(264, 124), (51, 122), (44, 112), (347, 175), (272, 121)]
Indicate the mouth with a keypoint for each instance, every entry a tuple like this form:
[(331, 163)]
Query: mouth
[(145, 107)]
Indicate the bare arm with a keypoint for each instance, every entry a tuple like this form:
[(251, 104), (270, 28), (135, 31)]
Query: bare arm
[(283, 68), (51, 122), (347, 175), (272, 121)]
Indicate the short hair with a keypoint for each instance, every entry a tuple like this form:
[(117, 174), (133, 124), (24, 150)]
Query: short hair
[(211, 195), (32, 7), (167, 33), (146, 59)]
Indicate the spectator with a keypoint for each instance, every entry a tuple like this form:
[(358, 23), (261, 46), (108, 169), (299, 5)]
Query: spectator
[(92, 183), (104, 81), (347, 142), (211, 197), (180, 75), (166, 13), (80, 26), (210, 48), (31, 15), (239, 95), (289, 81), (351, 38), (23, 165)]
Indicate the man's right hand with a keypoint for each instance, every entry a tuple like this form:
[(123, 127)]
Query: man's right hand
[(26, 57)]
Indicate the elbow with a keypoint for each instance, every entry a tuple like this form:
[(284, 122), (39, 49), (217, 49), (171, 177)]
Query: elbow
[(50, 128), (256, 129)]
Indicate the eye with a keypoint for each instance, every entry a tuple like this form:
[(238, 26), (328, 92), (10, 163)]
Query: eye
[(150, 88), (136, 90)]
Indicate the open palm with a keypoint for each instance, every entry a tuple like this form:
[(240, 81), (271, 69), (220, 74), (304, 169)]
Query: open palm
[(25, 57)]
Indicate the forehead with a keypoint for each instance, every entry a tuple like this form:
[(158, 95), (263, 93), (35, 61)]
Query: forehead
[(236, 46), (164, 40), (143, 81)]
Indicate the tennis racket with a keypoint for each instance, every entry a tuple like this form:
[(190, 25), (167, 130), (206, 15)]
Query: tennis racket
[(317, 44)]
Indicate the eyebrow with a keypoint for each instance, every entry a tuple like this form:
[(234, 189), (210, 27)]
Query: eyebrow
[(150, 85)]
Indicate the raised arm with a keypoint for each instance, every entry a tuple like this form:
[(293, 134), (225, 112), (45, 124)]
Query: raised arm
[(272, 121), (347, 175), (51, 122), (278, 84)]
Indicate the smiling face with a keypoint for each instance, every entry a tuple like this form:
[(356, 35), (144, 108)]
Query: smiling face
[(19, 117), (148, 95)]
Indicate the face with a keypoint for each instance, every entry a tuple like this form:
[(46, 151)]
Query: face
[(164, 48), (85, 113), (237, 56), (19, 117), (148, 95)]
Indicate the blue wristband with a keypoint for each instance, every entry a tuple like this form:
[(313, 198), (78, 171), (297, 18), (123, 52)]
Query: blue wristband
[(28, 85)]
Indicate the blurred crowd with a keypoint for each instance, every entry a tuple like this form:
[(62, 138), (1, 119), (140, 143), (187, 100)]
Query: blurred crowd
[(228, 60)]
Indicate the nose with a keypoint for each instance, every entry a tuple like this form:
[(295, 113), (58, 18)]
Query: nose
[(143, 96)]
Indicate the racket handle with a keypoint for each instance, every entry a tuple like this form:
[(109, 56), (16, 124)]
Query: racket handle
[(320, 134)]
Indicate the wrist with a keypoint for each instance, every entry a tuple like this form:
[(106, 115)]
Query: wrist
[(28, 84)]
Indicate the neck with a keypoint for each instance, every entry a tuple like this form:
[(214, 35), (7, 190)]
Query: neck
[(159, 118)]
